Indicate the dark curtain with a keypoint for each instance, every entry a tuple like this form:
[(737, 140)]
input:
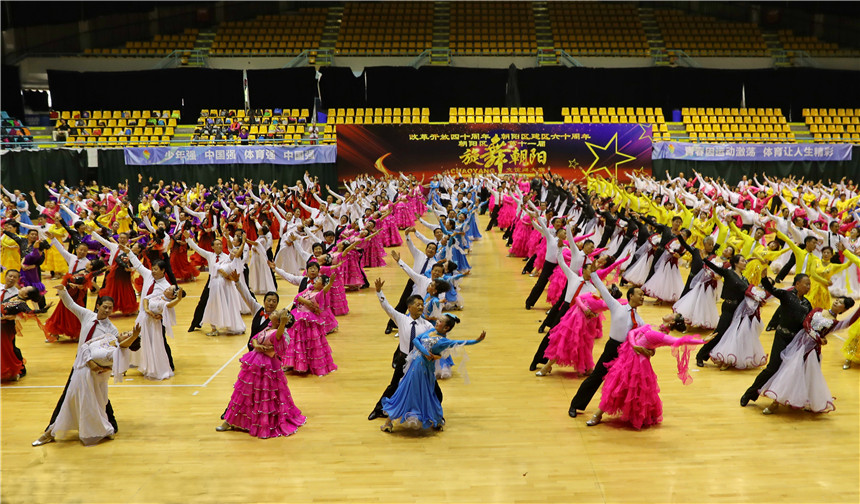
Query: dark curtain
[(790, 89), (438, 88), (340, 88), (10, 95), (186, 89), (31, 170), (512, 93), (112, 170), (733, 171), (282, 88)]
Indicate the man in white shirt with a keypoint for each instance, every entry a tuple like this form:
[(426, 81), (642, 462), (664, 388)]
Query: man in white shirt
[(422, 262), (409, 325), (624, 317), (553, 235), (93, 325)]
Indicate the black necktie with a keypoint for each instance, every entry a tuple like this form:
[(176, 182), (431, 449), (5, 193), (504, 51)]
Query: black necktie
[(424, 268), (412, 336)]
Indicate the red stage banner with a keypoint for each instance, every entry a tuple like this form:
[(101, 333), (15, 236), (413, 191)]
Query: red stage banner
[(571, 150)]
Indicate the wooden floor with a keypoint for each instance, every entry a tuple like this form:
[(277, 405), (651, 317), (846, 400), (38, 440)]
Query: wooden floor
[(508, 437)]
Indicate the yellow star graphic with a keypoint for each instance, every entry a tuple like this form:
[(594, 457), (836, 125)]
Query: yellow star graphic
[(597, 158), (644, 131)]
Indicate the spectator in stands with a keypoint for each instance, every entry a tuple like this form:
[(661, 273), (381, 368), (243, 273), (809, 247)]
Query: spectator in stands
[(243, 135), (125, 114), (132, 122), (218, 136), (204, 113), (231, 113), (174, 115), (150, 121), (80, 123), (235, 127), (222, 113), (314, 134), (160, 122), (97, 131), (85, 114), (61, 132)]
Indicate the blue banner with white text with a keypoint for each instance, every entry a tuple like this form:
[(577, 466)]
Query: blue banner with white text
[(232, 154), (751, 152)]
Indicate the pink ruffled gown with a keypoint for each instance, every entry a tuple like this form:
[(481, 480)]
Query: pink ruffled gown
[(389, 235), (520, 241), (571, 341), (308, 350), (374, 253), (261, 401), (630, 387), (508, 212), (337, 294)]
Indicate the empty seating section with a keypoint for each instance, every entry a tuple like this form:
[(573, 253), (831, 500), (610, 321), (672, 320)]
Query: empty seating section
[(493, 115), (492, 27), (707, 36), (395, 115), (620, 115), (271, 34), (119, 128), (159, 46), (584, 28), (833, 125), (257, 126), (742, 125), (811, 45), (385, 28)]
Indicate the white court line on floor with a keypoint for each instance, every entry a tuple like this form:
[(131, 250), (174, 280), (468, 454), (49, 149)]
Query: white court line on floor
[(207, 382), (244, 347)]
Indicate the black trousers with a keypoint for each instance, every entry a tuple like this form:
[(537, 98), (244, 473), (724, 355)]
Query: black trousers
[(108, 408), (509, 232), (201, 305), (494, 216), (539, 354), (726, 315), (540, 285), (401, 304), (398, 363), (781, 339), (590, 385), (530, 264), (17, 352), (787, 268), (167, 348), (555, 313)]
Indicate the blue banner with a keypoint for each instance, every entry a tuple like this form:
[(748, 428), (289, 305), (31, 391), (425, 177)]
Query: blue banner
[(232, 154), (751, 152)]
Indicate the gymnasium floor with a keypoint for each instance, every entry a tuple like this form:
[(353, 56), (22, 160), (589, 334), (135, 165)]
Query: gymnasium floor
[(508, 436)]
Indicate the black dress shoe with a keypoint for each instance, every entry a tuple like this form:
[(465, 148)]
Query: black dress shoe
[(744, 400), (528, 307), (533, 366), (388, 330), (376, 414), (700, 363), (540, 330), (571, 413)]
